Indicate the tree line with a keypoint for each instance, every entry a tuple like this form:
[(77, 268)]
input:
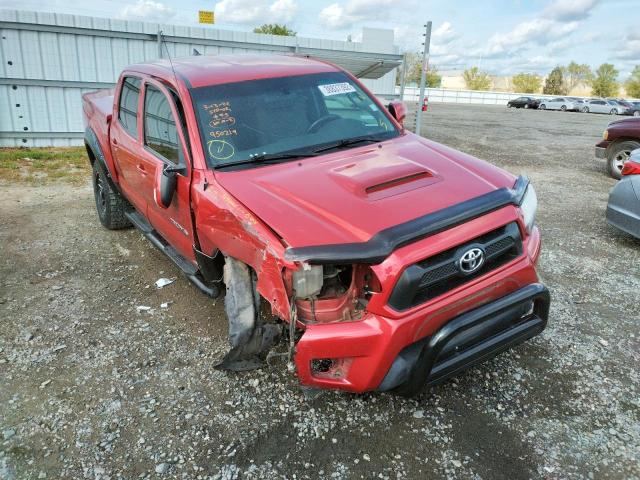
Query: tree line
[(560, 81), (563, 79)]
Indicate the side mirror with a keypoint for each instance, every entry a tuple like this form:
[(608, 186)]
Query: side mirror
[(168, 182), (398, 110)]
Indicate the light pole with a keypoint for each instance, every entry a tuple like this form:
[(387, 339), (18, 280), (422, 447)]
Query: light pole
[(423, 74)]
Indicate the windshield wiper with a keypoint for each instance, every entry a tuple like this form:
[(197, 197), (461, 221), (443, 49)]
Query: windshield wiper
[(266, 157), (348, 142)]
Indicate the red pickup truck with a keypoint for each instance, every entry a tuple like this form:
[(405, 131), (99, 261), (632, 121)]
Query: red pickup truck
[(390, 262)]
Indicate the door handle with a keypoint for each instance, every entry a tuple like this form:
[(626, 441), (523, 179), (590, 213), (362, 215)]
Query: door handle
[(141, 169), (114, 141)]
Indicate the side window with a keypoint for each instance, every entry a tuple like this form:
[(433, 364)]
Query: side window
[(160, 132), (128, 105)]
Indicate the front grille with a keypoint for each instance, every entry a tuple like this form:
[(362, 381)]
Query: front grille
[(436, 275)]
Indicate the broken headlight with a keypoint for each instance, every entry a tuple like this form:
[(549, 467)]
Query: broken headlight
[(308, 281), (529, 207)]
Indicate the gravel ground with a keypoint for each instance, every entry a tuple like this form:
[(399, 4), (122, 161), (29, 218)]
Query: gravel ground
[(91, 387)]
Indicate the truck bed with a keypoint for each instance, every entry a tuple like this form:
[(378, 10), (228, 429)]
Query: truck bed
[(97, 108)]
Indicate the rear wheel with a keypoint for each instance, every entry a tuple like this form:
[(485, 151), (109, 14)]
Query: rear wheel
[(585, 109), (636, 113), (613, 111), (563, 108), (111, 206), (618, 156), (542, 107)]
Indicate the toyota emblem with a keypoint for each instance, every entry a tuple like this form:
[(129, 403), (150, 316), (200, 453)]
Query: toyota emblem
[(471, 260)]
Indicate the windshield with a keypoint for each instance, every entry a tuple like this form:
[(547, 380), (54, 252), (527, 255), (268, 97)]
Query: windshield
[(284, 115)]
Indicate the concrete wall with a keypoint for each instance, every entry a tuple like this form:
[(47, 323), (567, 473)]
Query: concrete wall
[(47, 61)]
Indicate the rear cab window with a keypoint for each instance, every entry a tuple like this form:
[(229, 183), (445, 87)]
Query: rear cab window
[(128, 105), (160, 130)]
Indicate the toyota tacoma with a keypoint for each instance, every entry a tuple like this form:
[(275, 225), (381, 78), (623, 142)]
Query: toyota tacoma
[(390, 262)]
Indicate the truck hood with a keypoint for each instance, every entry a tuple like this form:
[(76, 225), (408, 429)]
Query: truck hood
[(350, 195), (626, 121)]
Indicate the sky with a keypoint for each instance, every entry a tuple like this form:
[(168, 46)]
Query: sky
[(502, 37)]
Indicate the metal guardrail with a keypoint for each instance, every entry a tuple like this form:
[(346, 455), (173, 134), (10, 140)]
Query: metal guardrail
[(443, 95)]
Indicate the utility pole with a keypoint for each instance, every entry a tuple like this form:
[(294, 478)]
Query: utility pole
[(159, 43), (423, 74)]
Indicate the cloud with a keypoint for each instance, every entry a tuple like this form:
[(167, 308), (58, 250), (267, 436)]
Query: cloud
[(570, 10), (444, 34), (283, 10), (344, 15), (147, 10), (629, 48), (537, 63), (550, 27), (255, 12), (540, 31)]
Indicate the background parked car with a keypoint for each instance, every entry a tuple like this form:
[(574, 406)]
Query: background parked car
[(634, 108), (559, 103), (578, 102), (623, 209), (619, 139), (600, 106), (524, 102), (621, 107)]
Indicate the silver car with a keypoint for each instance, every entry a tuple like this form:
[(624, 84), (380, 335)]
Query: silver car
[(600, 105), (622, 107), (623, 209), (559, 103)]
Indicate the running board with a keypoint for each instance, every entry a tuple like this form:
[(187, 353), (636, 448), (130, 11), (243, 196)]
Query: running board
[(189, 269)]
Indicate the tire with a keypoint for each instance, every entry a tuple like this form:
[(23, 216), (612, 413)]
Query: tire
[(613, 111), (585, 109), (509, 105), (636, 113), (526, 105), (563, 108), (618, 155), (110, 205), (542, 107)]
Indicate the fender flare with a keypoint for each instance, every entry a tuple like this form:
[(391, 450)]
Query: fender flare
[(91, 143)]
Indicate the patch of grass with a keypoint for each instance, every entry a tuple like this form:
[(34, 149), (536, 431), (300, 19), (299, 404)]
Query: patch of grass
[(38, 165)]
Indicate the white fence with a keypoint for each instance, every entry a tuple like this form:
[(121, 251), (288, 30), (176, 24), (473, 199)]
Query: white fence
[(442, 95), (47, 61)]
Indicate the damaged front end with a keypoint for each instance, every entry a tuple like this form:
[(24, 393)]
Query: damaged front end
[(319, 294), (331, 293), (250, 338), (348, 331)]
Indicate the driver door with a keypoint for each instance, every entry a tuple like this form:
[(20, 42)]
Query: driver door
[(164, 146)]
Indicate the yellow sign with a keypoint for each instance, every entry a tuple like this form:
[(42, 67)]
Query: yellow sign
[(206, 16)]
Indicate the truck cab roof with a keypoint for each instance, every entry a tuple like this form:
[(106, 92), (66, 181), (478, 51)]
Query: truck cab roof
[(204, 70)]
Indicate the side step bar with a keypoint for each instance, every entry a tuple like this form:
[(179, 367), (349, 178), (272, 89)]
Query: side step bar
[(188, 268)]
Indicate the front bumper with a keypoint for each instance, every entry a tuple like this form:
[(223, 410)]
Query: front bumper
[(470, 339), (363, 352), (601, 149)]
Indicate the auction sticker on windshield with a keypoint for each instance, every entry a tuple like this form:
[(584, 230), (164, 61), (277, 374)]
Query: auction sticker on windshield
[(336, 88)]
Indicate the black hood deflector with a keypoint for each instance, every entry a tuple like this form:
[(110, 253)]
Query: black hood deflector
[(382, 244)]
